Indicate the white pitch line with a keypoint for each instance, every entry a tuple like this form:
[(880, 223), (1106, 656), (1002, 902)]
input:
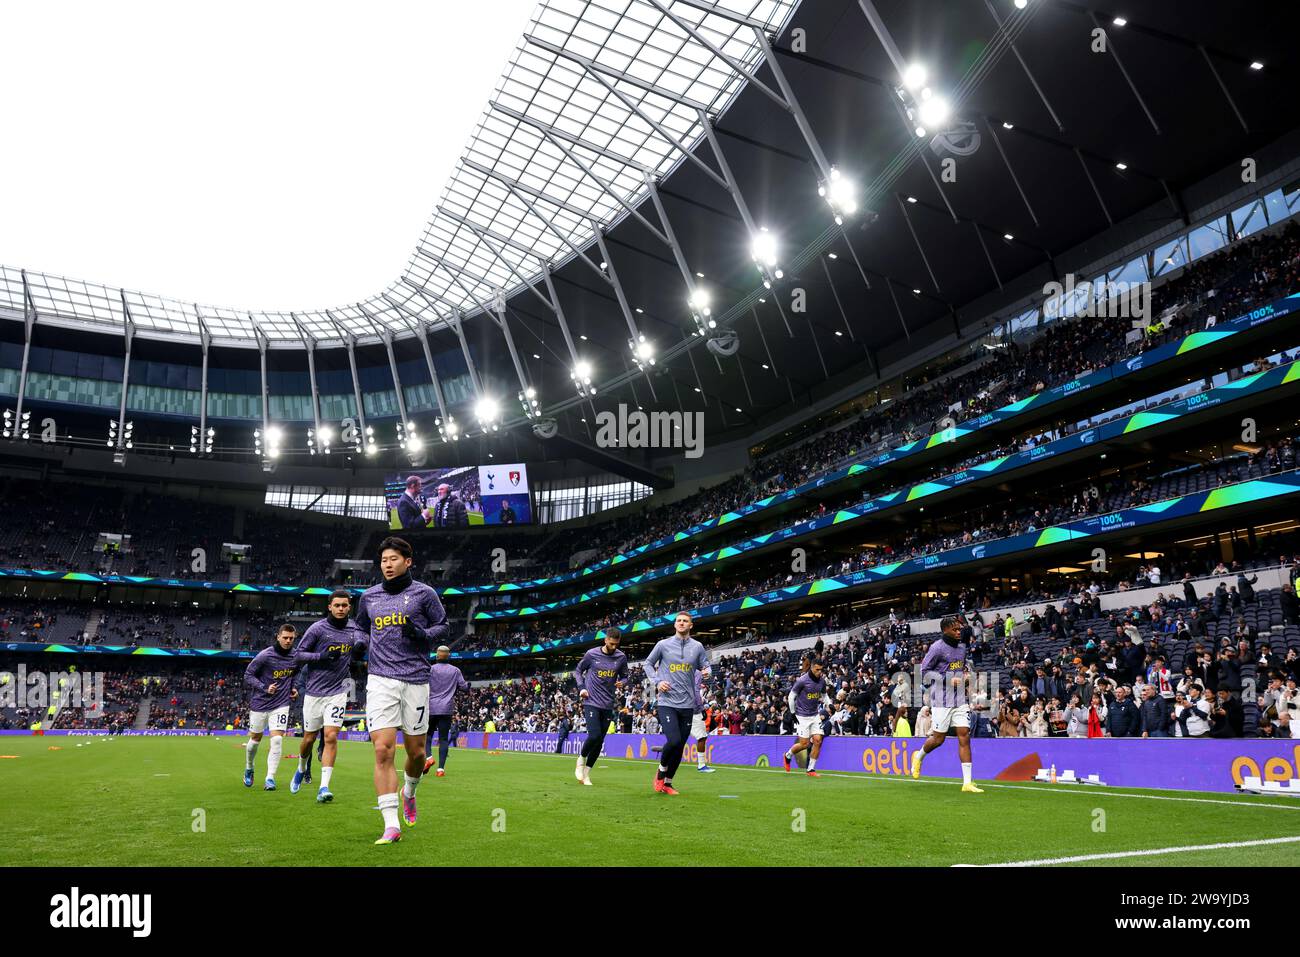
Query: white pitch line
[(1116, 855), (1094, 793)]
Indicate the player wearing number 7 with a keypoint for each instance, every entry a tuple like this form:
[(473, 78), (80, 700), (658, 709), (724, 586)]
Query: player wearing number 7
[(327, 649), (402, 618), (270, 674)]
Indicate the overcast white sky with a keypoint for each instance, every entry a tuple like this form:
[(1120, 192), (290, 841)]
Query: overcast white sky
[(265, 155)]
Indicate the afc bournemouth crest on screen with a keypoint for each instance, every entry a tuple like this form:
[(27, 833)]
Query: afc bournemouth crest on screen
[(514, 478)]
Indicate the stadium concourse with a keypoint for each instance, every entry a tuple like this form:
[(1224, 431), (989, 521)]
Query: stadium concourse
[(778, 391)]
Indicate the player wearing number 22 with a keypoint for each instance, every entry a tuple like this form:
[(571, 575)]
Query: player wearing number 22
[(271, 676), (327, 648), (402, 618)]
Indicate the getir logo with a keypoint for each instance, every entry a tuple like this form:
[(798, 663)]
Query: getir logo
[(890, 760), (384, 621), (682, 667), (1275, 769), (281, 672), (607, 673)]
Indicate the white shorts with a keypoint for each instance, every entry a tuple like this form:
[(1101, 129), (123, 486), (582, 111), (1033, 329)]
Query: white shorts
[(324, 712), (396, 704), (698, 730), (260, 722), (807, 727), (945, 718)]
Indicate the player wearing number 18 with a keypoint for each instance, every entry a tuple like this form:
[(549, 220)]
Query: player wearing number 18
[(327, 649), (271, 676), (402, 619)]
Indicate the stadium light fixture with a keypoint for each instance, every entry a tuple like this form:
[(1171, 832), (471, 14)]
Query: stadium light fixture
[(20, 428), (487, 411), (1256, 65), (840, 194), (914, 76), (407, 437), (1021, 4), (1120, 22), (324, 436), (1121, 166), (933, 111), (448, 429), (581, 375), (528, 402), (702, 310), (763, 250), (643, 351)]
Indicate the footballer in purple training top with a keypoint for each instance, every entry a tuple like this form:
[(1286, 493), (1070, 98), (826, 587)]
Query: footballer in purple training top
[(806, 700), (327, 649), (598, 675), (402, 619), (271, 676), (445, 680), (943, 673)]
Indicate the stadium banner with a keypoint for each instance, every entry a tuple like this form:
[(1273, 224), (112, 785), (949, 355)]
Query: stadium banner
[(458, 497), (995, 469), (1206, 764)]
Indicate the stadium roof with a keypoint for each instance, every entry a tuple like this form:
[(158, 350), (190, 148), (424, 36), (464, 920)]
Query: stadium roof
[(1066, 158), (582, 71)]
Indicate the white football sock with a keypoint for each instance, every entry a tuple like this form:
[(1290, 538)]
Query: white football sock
[(388, 808), (701, 754), (302, 763), (789, 755), (250, 752), (273, 756), (965, 772), (812, 764), (325, 775), (408, 790)]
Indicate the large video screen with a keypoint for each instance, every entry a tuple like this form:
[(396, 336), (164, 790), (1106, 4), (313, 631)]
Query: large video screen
[(458, 497)]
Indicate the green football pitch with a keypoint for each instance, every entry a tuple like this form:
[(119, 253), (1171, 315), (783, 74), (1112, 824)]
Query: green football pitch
[(181, 801)]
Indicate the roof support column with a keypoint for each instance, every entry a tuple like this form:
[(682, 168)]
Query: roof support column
[(205, 343), (29, 322), (129, 335)]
